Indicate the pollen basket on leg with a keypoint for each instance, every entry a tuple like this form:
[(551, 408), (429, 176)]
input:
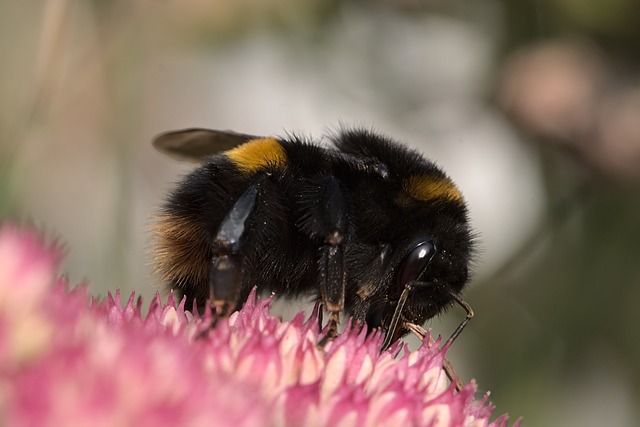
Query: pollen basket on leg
[(257, 154), (426, 188)]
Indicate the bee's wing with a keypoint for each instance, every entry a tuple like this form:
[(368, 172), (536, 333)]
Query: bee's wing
[(195, 143)]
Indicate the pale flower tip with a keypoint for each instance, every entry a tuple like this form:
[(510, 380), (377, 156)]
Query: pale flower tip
[(171, 299), (155, 307)]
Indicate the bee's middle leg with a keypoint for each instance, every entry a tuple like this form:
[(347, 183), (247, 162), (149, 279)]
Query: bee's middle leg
[(332, 283), (325, 222)]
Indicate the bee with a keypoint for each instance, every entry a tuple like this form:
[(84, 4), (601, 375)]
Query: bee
[(367, 226)]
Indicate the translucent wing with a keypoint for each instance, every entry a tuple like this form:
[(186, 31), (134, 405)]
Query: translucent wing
[(194, 143)]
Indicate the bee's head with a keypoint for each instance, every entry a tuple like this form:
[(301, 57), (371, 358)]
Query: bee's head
[(430, 267)]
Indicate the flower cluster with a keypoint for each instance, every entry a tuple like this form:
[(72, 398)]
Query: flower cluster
[(67, 359)]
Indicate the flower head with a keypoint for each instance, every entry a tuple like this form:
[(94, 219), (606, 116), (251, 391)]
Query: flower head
[(66, 359)]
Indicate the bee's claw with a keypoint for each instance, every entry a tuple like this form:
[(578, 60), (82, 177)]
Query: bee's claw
[(332, 332)]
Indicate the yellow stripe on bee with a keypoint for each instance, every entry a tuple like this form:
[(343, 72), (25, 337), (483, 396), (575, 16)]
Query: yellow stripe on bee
[(426, 188), (258, 154)]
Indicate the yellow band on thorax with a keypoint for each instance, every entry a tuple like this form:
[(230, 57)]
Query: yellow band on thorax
[(258, 154), (426, 188)]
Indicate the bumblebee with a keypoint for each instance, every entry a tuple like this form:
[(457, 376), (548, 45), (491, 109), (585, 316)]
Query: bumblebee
[(367, 226)]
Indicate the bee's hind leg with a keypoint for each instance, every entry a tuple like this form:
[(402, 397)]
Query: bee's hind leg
[(225, 270)]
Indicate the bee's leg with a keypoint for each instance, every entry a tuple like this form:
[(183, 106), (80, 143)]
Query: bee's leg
[(332, 283), (449, 370), (323, 214), (320, 318), (225, 270), (421, 333), (225, 278)]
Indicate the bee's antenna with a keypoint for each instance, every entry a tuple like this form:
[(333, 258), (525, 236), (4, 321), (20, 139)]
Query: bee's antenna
[(396, 317)]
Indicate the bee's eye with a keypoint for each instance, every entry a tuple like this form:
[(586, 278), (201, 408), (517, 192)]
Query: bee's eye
[(414, 264)]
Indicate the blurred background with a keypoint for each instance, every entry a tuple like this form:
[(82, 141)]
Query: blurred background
[(533, 107)]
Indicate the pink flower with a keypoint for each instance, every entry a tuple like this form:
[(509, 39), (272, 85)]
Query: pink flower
[(66, 359)]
